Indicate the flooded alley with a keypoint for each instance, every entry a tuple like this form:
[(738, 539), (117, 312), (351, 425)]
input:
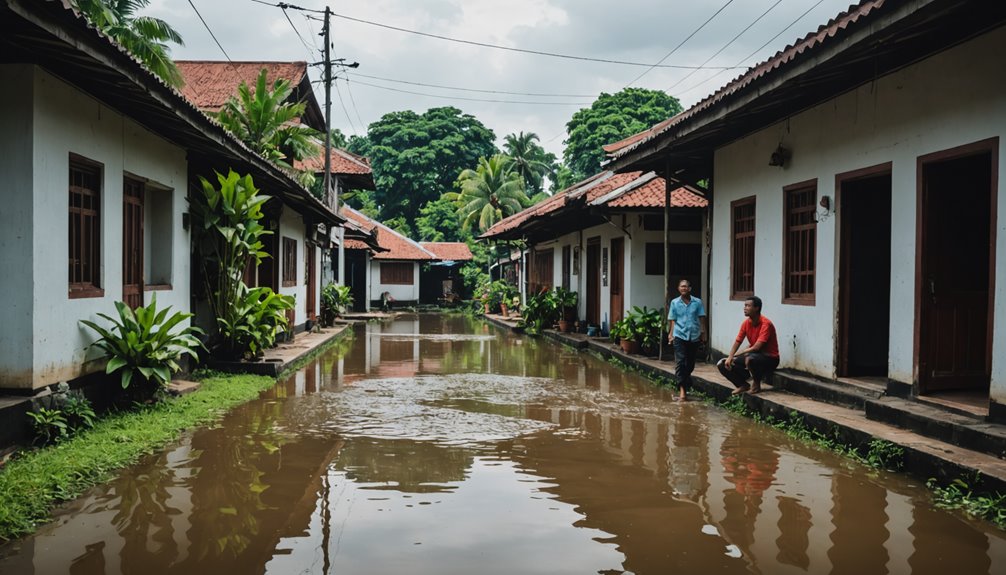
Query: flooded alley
[(437, 444)]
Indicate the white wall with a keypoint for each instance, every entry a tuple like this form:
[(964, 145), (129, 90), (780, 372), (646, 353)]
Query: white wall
[(954, 98), (16, 345), (291, 225), (398, 292), (65, 120)]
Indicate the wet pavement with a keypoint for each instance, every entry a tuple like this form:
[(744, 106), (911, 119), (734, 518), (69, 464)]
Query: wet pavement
[(438, 444)]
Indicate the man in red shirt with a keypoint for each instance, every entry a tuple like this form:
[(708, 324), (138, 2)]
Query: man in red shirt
[(759, 358)]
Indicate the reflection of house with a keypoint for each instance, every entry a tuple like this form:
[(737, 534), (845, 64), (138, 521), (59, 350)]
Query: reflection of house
[(857, 190), (603, 238), (210, 84), (441, 281), (98, 158)]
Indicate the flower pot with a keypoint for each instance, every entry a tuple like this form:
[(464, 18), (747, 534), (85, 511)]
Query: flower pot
[(486, 308), (592, 330), (564, 326), (503, 308), (630, 346)]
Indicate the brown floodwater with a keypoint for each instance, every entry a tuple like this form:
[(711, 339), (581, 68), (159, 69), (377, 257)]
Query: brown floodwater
[(437, 444)]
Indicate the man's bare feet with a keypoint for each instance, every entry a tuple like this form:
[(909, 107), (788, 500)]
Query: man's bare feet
[(755, 389), (739, 390)]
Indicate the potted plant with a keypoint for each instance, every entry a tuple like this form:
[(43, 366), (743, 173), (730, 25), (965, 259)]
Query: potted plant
[(566, 301), (624, 331)]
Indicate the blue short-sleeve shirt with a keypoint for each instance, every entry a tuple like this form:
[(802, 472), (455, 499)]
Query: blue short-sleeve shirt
[(687, 324)]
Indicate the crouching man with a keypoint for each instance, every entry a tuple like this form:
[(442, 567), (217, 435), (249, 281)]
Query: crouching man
[(759, 358)]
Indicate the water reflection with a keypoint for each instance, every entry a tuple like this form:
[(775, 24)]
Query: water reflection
[(406, 449)]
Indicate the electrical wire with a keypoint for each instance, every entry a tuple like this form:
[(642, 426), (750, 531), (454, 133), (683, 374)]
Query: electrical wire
[(757, 50), (297, 32), (469, 99), (212, 35), (728, 44), (353, 100), (445, 87), (680, 44), (510, 48), (345, 111)]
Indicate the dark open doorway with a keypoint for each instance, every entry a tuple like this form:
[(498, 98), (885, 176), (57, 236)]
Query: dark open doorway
[(593, 308), (955, 283), (864, 272)]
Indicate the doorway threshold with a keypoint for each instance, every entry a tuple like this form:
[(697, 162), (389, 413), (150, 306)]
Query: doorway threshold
[(969, 401)]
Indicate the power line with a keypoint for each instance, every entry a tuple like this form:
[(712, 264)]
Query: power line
[(512, 49), (343, 104), (212, 35), (469, 99), (476, 90), (353, 101), (759, 49), (285, 5), (727, 45), (310, 49), (680, 44)]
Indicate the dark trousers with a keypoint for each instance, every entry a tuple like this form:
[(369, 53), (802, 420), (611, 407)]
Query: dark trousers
[(757, 365), (684, 361)]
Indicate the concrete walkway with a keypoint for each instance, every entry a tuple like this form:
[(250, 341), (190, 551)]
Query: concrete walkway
[(937, 443)]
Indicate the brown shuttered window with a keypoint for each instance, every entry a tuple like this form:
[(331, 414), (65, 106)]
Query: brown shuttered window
[(84, 229), (742, 252), (397, 273), (289, 262), (801, 243), (542, 270)]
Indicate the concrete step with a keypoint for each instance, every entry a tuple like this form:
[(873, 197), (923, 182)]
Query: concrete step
[(843, 394), (966, 431)]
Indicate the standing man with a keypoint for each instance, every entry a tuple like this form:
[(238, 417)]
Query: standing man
[(759, 358), (687, 331)]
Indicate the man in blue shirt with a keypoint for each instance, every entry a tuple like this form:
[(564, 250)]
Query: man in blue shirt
[(687, 331)]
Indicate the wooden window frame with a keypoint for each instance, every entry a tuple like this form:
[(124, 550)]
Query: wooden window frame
[(91, 285), (394, 273), (289, 262), (794, 255), (736, 264)]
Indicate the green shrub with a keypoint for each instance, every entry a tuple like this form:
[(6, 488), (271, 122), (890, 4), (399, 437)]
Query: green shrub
[(335, 300), (257, 315), (143, 341)]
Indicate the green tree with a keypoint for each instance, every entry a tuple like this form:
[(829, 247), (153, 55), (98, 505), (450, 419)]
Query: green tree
[(488, 193), (143, 36), (609, 119), (417, 157), (529, 159), (400, 225), (438, 222)]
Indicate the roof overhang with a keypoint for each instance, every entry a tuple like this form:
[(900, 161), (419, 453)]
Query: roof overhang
[(899, 34), (49, 34)]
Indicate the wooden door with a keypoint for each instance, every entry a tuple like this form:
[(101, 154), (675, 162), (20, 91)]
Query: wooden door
[(132, 243), (617, 279), (954, 277), (312, 283), (593, 309)]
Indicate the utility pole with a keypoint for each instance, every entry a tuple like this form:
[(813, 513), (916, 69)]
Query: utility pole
[(331, 196)]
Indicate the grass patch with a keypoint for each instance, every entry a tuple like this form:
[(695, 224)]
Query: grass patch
[(32, 484), (959, 495)]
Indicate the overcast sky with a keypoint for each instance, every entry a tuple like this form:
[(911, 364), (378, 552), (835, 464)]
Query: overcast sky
[(640, 31)]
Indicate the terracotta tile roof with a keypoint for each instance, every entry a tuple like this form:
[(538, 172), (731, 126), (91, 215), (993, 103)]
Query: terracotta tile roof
[(651, 195), (355, 245), (456, 251), (648, 194), (343, 162), (399, 247), (209, 84), (811, 41)]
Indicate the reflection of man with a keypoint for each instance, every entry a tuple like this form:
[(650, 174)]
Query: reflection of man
[(686, 332), (759, 358)]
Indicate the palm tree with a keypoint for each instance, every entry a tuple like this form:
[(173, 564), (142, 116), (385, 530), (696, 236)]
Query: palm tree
[(488, 193), (144, 37), (266, 122), (529, 159)]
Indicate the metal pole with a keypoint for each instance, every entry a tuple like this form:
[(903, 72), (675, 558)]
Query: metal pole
[(667, 257)]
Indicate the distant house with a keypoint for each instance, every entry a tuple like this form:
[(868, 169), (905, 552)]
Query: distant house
[(388, 275), (441, 281), (604, 239), (856, 189), (99, 156)]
